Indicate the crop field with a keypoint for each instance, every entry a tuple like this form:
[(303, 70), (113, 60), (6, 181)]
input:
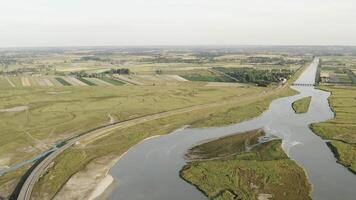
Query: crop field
[(223, 169), (56, 81), (341, 130), (338, 70)]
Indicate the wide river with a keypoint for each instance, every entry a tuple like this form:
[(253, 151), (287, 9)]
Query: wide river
[(150, 170)]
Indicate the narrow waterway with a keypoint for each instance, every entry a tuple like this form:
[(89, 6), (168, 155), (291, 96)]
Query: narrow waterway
[(150, 171)]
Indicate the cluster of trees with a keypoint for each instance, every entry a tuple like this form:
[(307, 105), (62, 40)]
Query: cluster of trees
[(124, 71), (259, 77), (96, 75)]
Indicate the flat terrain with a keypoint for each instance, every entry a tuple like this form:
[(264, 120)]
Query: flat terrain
[(301, 105), (341, 131), (53, 95), (239, 167)]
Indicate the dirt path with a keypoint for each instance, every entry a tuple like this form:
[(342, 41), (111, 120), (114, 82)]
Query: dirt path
[(10, 82)]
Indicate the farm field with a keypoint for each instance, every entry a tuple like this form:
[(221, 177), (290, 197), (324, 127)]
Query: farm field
[(223, 169), (338, 70)]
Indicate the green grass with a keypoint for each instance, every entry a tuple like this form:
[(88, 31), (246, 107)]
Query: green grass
[(121, 140), (266, 169), (63, 82), (301, 105), (342, 129), (112, 81), (63, 112), (86, 81)]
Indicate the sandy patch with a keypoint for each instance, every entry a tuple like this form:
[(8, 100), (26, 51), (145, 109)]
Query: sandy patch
[(60, 92), (177, 78), (264, 196), (4, 163), (15, 109), (25, 82), (105, 183), (94, 180)]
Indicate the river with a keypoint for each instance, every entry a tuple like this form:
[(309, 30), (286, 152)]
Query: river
[(150, 170)]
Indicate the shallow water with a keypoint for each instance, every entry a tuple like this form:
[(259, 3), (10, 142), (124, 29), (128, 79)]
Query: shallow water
[(150, 171)]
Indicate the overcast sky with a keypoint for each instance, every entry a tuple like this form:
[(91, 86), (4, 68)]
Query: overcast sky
[(177, 22)]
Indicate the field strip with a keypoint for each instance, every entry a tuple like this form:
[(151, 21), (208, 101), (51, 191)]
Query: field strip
[(77, 81), (69, 80), (10, 82), (55, 81), (177, 77), (127, 80), (48, 82), (25, 82), (40, 81), (165, 77), (99, 82), (148, 77)]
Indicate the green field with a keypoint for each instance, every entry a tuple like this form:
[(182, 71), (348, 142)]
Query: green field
[(111, 81), (342, 129), (63, 82), (224, 170), (301, 105), (86, 81), (54, 114)]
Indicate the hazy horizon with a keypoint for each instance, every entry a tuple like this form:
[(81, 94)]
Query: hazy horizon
[(50, 23)]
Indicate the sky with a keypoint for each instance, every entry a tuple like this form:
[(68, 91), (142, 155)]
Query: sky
[(35, 23)]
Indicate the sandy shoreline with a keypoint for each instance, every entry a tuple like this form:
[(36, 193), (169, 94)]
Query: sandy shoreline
[(106, 182)]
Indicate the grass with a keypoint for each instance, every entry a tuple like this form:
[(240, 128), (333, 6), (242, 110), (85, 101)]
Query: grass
[(301, 105), (63, 82), (342, 129), (112, 81), (86, 81), (59, 113), (264, 170), (121, 140)]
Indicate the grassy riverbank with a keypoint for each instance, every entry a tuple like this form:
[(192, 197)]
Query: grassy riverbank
[(223, 169), (302, 105), (341, 131), (77, 158)]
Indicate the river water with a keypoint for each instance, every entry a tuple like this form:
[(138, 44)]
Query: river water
[(150, 170)]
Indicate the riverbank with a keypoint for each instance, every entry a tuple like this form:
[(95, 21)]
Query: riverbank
[(239, 166), (340, 131), (120, 141)]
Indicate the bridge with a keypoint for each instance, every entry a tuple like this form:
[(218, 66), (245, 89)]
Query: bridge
[(303, 84)]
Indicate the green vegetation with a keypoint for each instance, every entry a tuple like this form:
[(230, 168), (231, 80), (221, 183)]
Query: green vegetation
[(112, 81), (261, 77), (236, 173), (63, 82), (57, 113), (342, 129), (121, 140), (301, 105), (86, 81)]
